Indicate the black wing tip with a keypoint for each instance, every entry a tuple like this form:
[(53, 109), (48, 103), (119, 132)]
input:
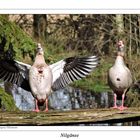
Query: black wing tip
[(97, 58), (94, 57), (9, 71), (9, 65)]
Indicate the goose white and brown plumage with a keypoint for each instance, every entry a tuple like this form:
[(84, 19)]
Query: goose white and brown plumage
[(41, 79), (119, 77)]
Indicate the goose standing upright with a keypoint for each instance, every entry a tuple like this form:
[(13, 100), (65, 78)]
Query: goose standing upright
[(41, 79), (119, 77)]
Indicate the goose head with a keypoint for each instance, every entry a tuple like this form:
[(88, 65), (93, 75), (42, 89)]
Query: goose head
[(120, 48), (39, 50)]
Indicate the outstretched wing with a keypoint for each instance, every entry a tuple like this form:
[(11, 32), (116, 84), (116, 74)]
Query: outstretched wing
[(15, 72), (71, 69)]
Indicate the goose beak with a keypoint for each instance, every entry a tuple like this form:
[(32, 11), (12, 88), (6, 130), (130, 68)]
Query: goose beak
[(39, 46), (39, 49)]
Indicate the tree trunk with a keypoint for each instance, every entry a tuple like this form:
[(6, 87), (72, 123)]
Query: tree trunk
[(138, 47), (130, 37), (40, 26), (120, 26)]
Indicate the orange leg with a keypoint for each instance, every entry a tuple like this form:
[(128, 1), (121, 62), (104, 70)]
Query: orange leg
[(115, 102), (46, 110), (122, 107), (36, 106)]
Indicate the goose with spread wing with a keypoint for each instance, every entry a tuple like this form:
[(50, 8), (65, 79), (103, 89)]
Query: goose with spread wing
[(41, 79)]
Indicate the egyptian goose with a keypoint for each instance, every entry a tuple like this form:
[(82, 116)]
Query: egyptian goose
[(119, 77), (41, 79)]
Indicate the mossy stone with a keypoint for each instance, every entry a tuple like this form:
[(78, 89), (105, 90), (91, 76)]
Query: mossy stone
[(7, 102)]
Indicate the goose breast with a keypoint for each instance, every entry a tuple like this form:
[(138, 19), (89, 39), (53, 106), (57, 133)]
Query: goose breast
[(40, 80), (120, 77)]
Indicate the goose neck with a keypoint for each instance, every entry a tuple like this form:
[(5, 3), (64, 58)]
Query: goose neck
[(39, 59), (119, 60)]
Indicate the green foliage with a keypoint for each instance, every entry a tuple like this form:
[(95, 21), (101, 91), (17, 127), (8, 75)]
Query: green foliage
[(133, 99), (6, 101), (23, 46), (54, 50), (22, 43)]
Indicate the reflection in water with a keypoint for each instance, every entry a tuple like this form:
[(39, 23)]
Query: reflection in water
[(134, 123)]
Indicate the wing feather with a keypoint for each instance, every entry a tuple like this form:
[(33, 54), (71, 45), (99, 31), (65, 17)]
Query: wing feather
[(71, 69), (15, 72)]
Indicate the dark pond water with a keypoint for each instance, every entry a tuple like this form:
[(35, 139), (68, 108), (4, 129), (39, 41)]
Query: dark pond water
[(70, 99)]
